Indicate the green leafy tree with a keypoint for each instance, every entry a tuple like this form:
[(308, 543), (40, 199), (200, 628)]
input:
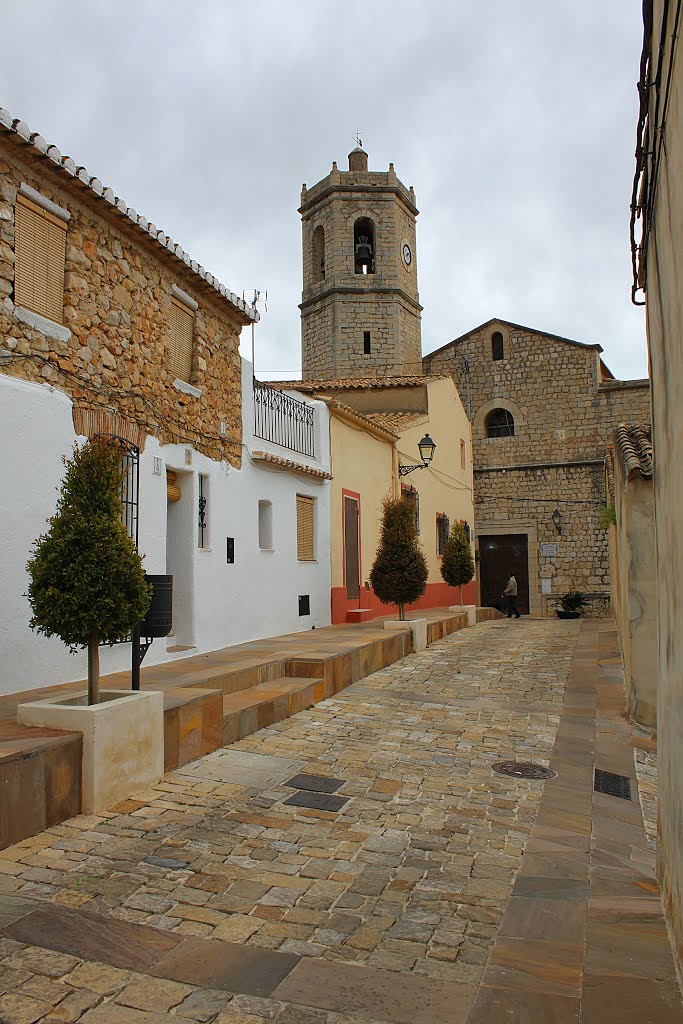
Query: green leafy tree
[(457, 564), (87, 585), (399, 573)]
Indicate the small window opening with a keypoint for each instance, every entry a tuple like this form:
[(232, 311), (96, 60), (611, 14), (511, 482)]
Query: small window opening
[(500, 423), (497, 346), (203, 512), (366, 343), (364, 246), (265, 525), (462, 454), (319, 253), (443, 530)]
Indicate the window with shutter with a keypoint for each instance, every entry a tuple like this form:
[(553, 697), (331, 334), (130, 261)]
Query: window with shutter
[(39, 255), (182, 335), (305, 508)]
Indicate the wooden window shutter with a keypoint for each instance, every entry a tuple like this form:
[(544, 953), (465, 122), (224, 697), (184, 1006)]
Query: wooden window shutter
[(304, 528), (182, 334), (40, 253)]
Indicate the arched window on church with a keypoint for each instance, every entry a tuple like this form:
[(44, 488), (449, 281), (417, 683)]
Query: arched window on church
[(319, 253), (500, 423), (364, 246), (497, 347)]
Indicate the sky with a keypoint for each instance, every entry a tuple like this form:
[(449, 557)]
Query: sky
[(514, 120)]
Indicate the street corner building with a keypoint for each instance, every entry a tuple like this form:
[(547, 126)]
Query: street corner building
[(108, 327)]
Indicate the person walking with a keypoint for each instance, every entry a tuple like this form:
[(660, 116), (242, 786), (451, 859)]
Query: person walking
[(511, 593)]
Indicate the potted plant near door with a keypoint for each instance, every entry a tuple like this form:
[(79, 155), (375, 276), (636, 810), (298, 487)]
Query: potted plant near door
[(87, 587), (571, 605)]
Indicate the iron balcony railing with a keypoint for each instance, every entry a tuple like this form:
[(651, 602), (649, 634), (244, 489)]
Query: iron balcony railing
[(283, 420)]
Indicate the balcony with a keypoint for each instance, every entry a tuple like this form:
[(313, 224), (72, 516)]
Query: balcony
[(283, 420)]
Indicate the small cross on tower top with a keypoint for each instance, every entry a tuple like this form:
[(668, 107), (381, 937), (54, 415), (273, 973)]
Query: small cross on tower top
[(357, 139)]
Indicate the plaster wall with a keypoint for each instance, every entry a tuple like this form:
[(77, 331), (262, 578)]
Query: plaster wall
[(257, 596), (445, 487), (635, 609), (664, 296), (362, 465)]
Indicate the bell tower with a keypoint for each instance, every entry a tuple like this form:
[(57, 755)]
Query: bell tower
[(360, 310)]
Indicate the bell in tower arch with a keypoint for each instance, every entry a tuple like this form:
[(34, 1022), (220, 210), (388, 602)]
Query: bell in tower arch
[(364, 246)]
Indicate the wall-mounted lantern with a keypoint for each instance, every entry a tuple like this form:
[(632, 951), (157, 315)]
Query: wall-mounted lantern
[(557, 520), (426, 447)]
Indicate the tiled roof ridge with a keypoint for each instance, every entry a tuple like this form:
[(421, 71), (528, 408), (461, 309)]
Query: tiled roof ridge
[(633, 442), (17, 127), (366, 420), (340, 383), (399, 420), (299, 467)]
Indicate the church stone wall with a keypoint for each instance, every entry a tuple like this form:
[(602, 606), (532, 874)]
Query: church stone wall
[(565, 410)]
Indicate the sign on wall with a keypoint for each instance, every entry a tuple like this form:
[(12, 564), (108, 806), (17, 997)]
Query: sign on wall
[(550, 550)]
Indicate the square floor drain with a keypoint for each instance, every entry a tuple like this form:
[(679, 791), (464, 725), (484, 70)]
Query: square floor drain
[(318, 801), (612, 785), (315, 783)]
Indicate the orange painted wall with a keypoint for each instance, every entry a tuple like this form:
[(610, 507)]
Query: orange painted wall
[(438, 595)]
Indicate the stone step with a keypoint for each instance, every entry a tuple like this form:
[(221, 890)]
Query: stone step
[(247, 711)]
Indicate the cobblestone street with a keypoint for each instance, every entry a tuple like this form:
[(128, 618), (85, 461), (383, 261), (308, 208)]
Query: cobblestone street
[(409, 884)]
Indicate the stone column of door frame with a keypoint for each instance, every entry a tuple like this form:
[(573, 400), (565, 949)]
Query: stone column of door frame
[(516, 526)]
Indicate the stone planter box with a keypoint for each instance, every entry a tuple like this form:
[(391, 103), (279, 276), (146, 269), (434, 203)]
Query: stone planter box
[(123, 740), (418, 628), (470, 609)]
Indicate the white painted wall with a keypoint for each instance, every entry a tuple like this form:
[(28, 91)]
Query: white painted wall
[(228, 604)]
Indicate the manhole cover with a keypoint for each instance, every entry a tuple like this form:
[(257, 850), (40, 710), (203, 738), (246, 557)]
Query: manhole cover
[(524, 770)]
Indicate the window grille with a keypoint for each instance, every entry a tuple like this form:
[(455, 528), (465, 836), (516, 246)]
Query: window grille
[(443, 530), (305, 508), (500, 423), (39, 253), (202, 518), (182, 336)]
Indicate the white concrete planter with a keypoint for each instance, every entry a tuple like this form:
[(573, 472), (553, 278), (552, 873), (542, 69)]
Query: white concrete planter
[(471, 610), (418, 628), (123, 740)]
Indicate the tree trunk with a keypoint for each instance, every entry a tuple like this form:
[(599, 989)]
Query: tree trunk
[(93, 670), (461, 595), (401, 612)]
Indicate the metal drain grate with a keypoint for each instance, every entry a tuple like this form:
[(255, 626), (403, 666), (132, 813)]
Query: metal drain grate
[(524, 770), (611, 784)]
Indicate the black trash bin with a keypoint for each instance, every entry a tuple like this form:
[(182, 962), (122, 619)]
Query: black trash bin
[(159, 619)]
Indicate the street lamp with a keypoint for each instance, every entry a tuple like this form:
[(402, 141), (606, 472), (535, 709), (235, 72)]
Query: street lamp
[(557, 520), (426, 447)]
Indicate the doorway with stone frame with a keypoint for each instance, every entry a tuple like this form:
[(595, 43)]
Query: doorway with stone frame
[(502, 556)]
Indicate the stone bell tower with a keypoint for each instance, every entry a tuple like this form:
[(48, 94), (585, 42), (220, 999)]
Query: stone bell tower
[(360, 311)]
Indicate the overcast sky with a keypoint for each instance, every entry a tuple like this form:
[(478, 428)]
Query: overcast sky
[(513, 119)]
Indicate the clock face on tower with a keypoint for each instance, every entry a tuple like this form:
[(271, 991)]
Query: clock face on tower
[(407, 254)]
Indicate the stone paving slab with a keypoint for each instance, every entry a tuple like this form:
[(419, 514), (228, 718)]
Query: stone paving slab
[(517, 900)]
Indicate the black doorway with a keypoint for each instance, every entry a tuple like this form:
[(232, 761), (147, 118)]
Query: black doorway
[(502, 556)]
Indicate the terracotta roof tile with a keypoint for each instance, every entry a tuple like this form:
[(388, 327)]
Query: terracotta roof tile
[(349, 383), (398, 421), (299, 467), (79, 176), (633, 442), (362, 418)]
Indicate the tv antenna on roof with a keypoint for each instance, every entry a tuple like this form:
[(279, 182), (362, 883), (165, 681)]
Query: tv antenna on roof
[(357, 139), (258, 300)]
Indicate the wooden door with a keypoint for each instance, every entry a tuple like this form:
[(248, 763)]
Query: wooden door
[(351, 549), (502, 556)]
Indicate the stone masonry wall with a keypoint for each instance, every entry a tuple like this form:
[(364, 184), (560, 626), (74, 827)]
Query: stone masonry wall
[(338, 308), (565, 409), (117, 300)]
